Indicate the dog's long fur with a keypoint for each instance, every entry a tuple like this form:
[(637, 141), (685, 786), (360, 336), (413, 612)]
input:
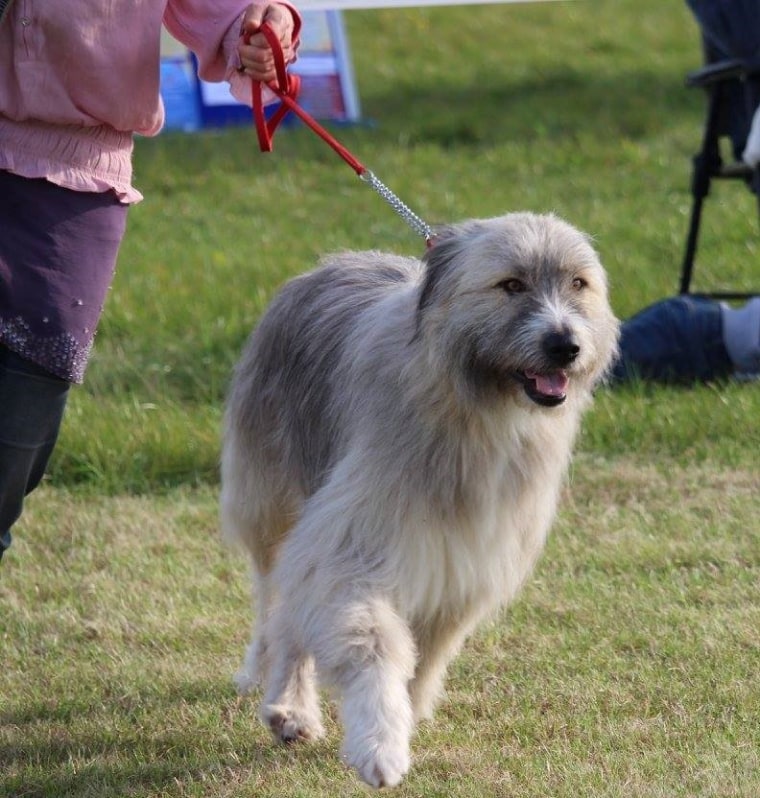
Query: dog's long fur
[(397, 434)]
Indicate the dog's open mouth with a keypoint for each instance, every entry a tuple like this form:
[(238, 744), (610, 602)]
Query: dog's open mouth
[(548, 390)]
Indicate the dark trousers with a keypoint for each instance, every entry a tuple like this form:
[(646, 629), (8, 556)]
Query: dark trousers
[(32, 402), (676, 340)]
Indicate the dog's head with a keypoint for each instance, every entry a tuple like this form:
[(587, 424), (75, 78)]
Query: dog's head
[(518, 304)]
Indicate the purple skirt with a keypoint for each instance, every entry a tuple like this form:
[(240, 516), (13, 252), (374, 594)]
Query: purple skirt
[(58, 253)]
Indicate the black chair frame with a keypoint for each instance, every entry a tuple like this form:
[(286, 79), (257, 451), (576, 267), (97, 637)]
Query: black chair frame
[(723, 81)]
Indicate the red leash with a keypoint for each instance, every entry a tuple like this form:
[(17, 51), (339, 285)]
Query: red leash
[(286, 88)]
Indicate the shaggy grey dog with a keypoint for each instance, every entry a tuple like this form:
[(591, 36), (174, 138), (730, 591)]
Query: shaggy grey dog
[(396, 438)]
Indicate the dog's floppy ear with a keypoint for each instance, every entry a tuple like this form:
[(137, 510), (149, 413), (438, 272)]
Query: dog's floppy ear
[(439, 255), (446, 244)]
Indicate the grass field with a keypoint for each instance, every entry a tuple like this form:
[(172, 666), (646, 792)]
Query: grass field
[(629, 666)]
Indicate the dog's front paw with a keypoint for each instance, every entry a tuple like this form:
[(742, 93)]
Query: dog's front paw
[(289, 726), (379, 764)]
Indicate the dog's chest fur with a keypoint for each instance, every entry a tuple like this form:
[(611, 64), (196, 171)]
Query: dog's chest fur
[(476, 554)]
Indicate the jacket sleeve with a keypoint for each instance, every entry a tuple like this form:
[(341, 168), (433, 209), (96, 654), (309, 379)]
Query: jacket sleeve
[(211, 29)]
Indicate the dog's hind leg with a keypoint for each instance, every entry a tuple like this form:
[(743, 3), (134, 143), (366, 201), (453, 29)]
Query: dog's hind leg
[(291, 703), (260, 527), (369, 655), (255, 665), (438, 644)]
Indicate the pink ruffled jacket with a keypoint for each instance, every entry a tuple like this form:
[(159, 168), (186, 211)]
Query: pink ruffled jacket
[(78, 78)]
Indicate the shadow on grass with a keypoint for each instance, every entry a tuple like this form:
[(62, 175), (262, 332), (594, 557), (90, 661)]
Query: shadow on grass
[(127, 745), (554, 107), (551, 108)]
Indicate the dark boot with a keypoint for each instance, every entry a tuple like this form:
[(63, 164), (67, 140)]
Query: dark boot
[(32, 402)]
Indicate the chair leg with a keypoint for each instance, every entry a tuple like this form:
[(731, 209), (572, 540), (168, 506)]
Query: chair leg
[(706, 163), (691, 244)]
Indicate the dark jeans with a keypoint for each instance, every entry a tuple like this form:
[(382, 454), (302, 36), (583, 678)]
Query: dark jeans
[(677, 340), (32, 402)]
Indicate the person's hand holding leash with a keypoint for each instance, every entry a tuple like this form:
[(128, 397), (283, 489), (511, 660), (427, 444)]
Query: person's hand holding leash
[(256, 57)]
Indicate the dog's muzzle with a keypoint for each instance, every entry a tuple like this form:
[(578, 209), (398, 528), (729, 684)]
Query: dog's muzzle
[(549, 387)]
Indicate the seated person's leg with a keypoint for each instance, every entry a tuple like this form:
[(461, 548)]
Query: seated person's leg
[(677, 340)]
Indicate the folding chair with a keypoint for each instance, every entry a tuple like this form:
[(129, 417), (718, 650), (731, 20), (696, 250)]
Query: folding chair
[(731, 81)]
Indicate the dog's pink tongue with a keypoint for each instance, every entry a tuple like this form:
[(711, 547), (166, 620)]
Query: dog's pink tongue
[(554, 384)]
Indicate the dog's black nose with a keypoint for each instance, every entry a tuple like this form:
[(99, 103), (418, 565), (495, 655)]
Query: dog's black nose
[(561, 348)]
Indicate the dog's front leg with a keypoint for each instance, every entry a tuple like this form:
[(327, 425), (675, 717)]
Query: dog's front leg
[(369, 655)]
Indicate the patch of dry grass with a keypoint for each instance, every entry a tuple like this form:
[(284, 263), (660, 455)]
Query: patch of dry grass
[(627, 667)]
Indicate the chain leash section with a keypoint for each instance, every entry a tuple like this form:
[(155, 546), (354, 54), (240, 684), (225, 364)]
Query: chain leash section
[(404, 211)]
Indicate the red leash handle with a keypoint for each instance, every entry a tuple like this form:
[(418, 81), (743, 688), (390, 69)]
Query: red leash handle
[(286, 88)]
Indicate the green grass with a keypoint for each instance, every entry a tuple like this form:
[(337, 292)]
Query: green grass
[(629, 665)]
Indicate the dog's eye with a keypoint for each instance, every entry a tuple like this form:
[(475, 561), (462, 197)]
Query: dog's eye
[(512, 286), (579, 284)]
